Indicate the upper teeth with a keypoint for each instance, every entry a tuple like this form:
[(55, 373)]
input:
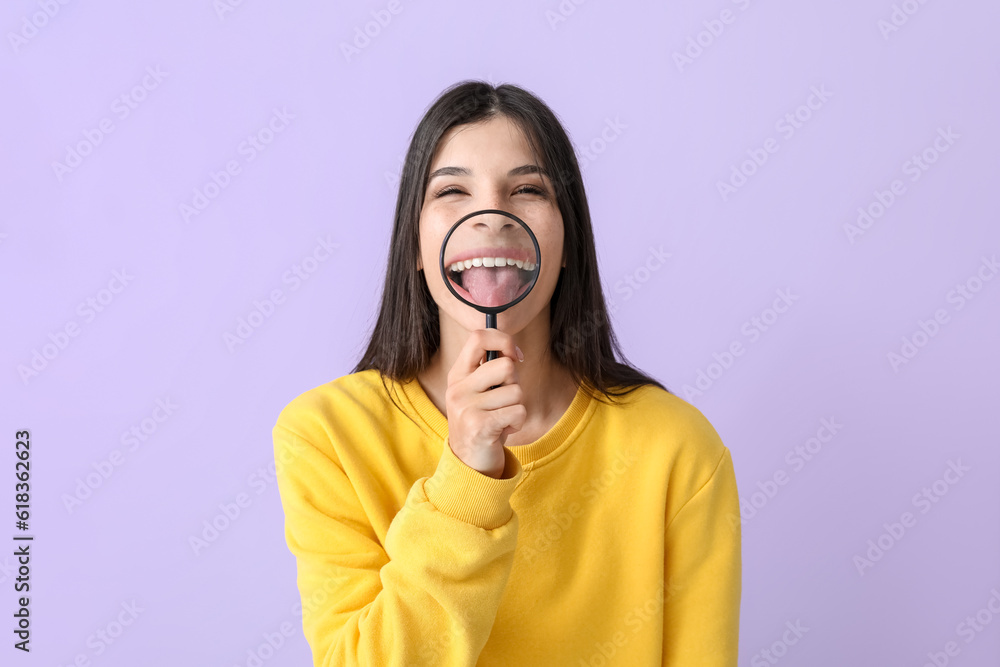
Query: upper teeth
[(492, 262)]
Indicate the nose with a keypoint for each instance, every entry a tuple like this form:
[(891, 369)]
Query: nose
[(494, 223)]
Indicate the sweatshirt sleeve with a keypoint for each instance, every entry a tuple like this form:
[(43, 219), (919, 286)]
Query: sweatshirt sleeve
[(431, 595), (703, 571)]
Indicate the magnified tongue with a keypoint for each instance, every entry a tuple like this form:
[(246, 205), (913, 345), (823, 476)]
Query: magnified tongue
[(491, 286)]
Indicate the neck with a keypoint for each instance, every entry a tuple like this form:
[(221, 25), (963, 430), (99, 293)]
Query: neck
[(544, 381)]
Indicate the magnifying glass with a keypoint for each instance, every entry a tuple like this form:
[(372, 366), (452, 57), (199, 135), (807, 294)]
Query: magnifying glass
[(490, 260)]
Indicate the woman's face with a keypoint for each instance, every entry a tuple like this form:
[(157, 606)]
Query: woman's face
[(489, 165)]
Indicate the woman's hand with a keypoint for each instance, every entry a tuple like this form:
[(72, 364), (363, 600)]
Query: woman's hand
[(480, 418)]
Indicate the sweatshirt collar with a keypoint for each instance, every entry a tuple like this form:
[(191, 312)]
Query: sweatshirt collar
[(570, 424)]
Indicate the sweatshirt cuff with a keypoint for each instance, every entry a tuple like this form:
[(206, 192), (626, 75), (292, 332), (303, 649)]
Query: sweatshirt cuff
[(469, 495)]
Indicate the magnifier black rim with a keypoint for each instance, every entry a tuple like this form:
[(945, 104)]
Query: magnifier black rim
[(491, 309)]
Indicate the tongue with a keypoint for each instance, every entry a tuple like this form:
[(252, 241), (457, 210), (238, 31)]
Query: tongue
[(491, 286)]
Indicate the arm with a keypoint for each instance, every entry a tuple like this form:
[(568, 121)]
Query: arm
[(429, 597), (703, 570)]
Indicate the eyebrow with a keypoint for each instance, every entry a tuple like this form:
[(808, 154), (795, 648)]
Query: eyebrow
[(463, 171)]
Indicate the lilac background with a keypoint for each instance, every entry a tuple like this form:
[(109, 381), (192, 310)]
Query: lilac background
[(331, 173)]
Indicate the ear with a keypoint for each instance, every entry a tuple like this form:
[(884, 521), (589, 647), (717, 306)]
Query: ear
[(420, 264)]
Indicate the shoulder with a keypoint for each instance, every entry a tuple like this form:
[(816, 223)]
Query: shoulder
[(678, 442), (654, 408), (316, 411), (671, 426)]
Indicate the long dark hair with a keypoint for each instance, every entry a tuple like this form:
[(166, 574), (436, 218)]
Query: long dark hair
[(407, 332)]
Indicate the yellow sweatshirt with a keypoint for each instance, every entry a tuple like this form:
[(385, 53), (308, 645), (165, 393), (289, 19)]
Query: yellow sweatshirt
[(614, 539)]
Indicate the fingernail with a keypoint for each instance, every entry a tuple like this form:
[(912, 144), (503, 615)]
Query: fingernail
[(520, 355)]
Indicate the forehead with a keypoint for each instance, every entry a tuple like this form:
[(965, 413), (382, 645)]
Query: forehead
[(498, 141)]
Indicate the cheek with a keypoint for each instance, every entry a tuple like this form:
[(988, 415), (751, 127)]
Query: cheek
[(552, 250), (431, 233), (426, 244), (430, 255)]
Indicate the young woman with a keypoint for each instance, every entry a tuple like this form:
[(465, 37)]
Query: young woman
[(552, 506)]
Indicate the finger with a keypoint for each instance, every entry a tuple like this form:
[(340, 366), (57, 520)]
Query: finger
[(501, 397), (479, 342), (513, 416), (499, 372)]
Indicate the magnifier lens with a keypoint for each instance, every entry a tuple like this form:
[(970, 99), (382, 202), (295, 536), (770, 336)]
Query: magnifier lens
[(490, 261)]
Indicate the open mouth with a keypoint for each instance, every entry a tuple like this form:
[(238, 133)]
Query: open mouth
[(491, 276)]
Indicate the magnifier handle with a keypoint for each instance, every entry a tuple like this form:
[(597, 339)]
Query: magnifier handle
[(491, 323)]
